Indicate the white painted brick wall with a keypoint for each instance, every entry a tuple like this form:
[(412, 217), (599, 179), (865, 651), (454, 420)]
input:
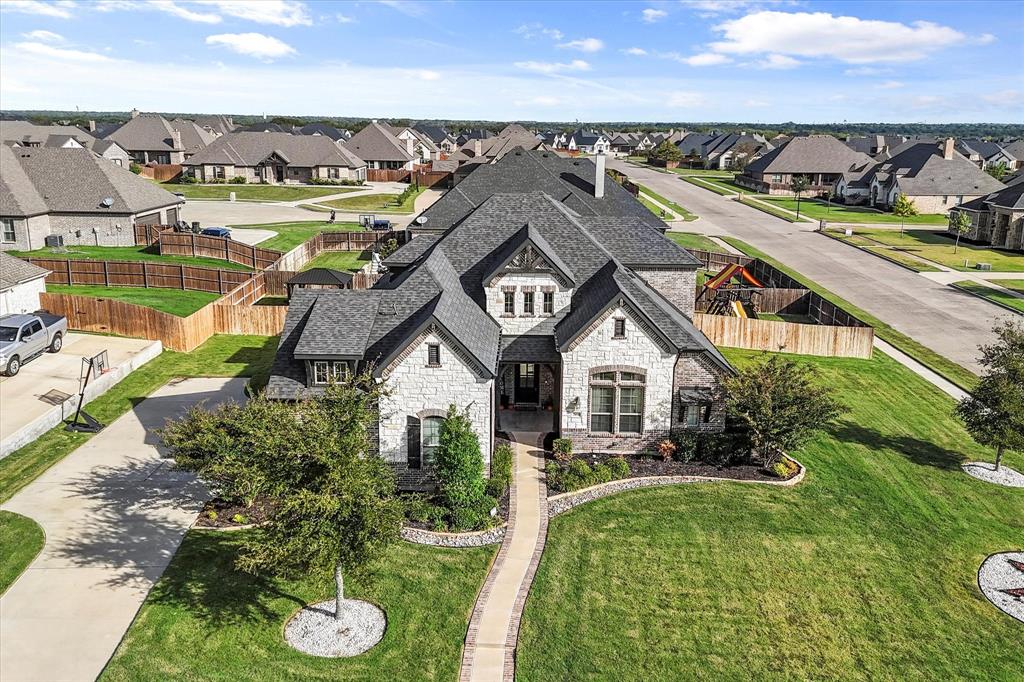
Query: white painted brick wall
[(23, 298), (415, 387), (600, 349), (538, 323)]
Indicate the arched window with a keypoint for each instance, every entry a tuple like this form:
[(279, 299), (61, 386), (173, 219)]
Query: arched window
[(431, 438), (617, 401)]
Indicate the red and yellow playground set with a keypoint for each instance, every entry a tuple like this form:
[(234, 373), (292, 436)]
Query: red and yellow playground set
[(726, 297)]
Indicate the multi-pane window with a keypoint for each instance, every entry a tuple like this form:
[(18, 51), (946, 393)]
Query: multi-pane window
[(510, 303), (430, 438), (549, 303), (620, 328), (325, 371), (334, 173), (692, 415), (616, 402), (218, 172), (527, 303), (433, 355), (8, 230)]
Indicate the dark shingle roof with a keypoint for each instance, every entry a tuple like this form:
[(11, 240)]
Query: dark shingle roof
[(811, 154), (411, 251), (921, 170), (529, 348), (322, 276), (376, 143), (636, 244), (250, 149), (333, 311)]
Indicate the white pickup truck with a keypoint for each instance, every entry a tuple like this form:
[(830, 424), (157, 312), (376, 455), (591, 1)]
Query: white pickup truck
[(23, 337)]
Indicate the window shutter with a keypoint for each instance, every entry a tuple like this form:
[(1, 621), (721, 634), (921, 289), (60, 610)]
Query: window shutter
[(412, 438)]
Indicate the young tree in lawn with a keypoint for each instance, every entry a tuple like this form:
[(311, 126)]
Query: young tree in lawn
[(666, 151), (799, 185), (782, 403), (904, 208), (458, 463), (994, 411), (960, 223)]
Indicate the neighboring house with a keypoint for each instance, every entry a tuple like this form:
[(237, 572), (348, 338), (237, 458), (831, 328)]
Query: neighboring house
[(933, 175), (25, 134), (21, 283), (623, 143), (875, 146), (380, 149), (1016, 150), (732, 150), (472, 134), (216, 124), (423, 148), (441, 138), (276, 158), (478, 152), (336, 134), (985, 153), (75, 194), (822, 159), (587, 142), (580, 323), (264, 127), (151, 138), (692, 146), (997, 219)]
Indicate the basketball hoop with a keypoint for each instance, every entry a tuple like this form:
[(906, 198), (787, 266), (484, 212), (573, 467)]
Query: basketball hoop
[(91, 367)]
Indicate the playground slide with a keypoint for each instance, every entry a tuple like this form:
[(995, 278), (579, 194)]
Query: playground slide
[(737, 309)]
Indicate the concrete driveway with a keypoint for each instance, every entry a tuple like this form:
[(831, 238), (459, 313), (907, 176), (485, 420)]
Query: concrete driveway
[(948, 321), (114, 514), (210, 213), (252, 236)]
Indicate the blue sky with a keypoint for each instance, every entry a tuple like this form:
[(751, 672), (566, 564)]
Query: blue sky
[(691, 60)]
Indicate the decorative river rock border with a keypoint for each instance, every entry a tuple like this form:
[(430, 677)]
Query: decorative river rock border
[(1001, 580), (491, 536), (986, 471), (563, 502)]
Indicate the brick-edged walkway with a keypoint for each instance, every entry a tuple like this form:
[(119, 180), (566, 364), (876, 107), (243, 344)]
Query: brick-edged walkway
[(489, 654)]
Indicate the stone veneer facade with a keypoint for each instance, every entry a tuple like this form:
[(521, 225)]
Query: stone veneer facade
[(678, 286), (518, 283)]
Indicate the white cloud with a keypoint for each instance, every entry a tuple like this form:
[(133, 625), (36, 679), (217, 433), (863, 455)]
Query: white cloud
[(537, 29), (891, 85), (986, 39), (42, 50), (276, 12), (177, 10), (420, 74), (344, 19), (584, 45), (820, 34), (634, 51), (866, 71), (651, 15), (252, 45), (553, 67), (1004, 97), (57, 10), (406, 7), (43, 36), (702, 59), (540, 100), (685, 100), (777, 61), (756, 103)]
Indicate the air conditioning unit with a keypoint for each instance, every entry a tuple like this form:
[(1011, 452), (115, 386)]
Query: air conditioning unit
[(54, 240), (983, 266)]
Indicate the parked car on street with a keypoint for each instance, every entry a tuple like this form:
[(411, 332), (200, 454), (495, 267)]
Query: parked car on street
[(216, 232), (24, 337)]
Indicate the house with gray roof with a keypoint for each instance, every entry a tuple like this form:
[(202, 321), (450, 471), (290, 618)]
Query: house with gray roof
[(525, 309), (216, 124), (986, 153), (76, 195), (276, 158), (151, 138), (822, 159), (997, 219), (21, 283), (440, 136), (26, 134), (377, 145)]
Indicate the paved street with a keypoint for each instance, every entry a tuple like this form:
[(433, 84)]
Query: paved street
[(948, 321)]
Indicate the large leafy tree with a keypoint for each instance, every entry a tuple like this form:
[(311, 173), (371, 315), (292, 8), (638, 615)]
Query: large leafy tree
[(666, 151), (994, 411), (782, 403), (331, 504)]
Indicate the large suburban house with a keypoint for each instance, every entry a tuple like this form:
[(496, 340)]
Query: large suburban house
[(380, 149), (423, 148), (151, 138), (985, 153), (216, 123), (26, 134), (822, 159), (276, 158), (76, 195), (931, 174), (441, 138), (525, 310), (997, 219), (731, 150), (479, 152), (587, 142)]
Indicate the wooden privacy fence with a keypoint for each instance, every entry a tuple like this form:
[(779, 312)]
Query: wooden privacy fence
[(149, 234), (333, 241), (161, 172), (223, 248), (786, 337), (387, 175), (146, 274)]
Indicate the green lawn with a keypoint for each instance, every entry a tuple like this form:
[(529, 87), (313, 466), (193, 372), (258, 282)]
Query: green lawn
[(133, 253), (992, 294), (338, 260), (703, 172), (939, 248), (173, 301), (679, 210), (21, 539), (375, 203), (961, 376), (206, 621), (692, 240), (290, 235), (221, 356), (867, 570), (256, 192), (1015, 284), (723, 186), (819, 210), (770, 209)]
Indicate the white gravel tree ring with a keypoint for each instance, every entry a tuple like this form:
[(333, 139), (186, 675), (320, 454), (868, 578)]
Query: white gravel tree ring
[(986, 471), (1001, 579), (315, 631)]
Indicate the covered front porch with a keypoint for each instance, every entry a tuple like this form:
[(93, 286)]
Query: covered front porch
[(529, 386)]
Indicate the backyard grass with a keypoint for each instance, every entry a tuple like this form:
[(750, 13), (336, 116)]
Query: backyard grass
[(679, 210), (256, 192), (21, 538), (938, 247), (376, 203), (174, 301), (221, 356), (994, 295), (819, 210), (866, 570), (961, 376), (692, 240), (204, 620), (132, 253), (290, 235), (338, 260)]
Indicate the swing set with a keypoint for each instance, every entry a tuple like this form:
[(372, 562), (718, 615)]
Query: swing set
[(723, 296)]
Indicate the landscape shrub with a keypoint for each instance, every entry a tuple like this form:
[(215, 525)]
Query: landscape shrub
[(562, 449), (135, 168), (578, 474), (187, 179), (212, 514), (458, 463), (239, 519), (420, 508), (601, 473), (619, 467), (686, 443), (784, 467), (238, 180), (666, 449), (501, 471)]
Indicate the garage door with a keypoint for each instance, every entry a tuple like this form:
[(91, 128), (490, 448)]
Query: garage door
[(172, 216), (148, 219)]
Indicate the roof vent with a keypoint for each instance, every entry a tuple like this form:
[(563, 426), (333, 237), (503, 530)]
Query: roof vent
[(107, 202)]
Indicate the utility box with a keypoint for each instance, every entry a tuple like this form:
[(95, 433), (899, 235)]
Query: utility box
[(54, 240)]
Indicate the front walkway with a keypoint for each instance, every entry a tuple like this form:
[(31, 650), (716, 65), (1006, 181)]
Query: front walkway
[(114, 514), (489, 654)]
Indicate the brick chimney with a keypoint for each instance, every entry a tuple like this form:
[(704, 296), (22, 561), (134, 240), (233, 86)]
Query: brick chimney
[(176, 139), (477, 147), (599, 176), (409, 146), (92, 126), (947, 148), (135, 113)]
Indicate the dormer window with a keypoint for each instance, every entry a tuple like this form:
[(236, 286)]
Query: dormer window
[(433, 355), (329, 371), (549, 303), (620, 328), (510, 303), (527, 303)]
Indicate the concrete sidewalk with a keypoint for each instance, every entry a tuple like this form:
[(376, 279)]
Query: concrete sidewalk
[(114, 514)]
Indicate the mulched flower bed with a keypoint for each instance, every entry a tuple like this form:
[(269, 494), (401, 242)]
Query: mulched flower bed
[(226, 511), (503, 507), (640, 467)]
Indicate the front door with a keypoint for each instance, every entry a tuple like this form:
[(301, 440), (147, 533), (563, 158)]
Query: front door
[(279, 172), (526, 384)]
